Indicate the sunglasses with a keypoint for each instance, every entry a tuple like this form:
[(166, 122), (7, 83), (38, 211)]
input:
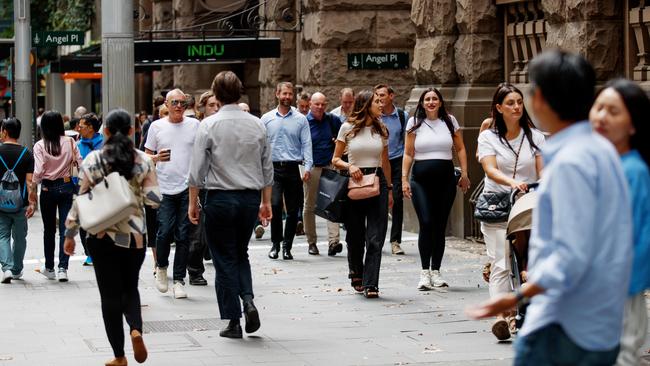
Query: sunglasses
[(176, 102)]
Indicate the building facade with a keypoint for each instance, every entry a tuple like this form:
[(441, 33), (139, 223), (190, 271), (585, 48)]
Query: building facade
[(463, 47)]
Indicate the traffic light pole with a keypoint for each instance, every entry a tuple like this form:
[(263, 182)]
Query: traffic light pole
[(117, 56), (22, 78)]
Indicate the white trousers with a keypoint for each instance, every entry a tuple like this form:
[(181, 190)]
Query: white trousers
[(497, 252), (635, 327)]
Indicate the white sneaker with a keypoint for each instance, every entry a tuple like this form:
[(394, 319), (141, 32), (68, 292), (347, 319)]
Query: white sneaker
[(161, 279), (425, 281), (437, 280), (63, 275), (48, 273), (179, 290), (6, 277), (18, 276)]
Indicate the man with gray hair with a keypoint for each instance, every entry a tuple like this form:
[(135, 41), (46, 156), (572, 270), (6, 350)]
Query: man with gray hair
[(324, 128), (169, 143), (347, 104), (80, 111)]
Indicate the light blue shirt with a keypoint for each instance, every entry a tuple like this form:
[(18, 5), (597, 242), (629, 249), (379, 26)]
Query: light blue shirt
[(395, 134), (581, 243), (638, 179), (289, 136)]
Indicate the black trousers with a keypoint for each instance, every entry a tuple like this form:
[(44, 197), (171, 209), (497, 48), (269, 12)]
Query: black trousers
[(232, 216), (198, 246), (398, 200), (434, 188), (287, 188), (367, 222), (117, 270)]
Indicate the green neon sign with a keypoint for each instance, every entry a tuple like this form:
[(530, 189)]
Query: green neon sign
[(205, 50)]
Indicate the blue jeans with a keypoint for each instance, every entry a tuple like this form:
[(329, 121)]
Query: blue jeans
[(173, 225), (55, 194), (13, 224), (550, 345), (231, 216)]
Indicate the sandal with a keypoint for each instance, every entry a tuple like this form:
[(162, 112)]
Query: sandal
[(357, 284), (371, 292)]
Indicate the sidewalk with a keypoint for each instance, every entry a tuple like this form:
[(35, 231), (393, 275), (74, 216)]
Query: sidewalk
[(309, 314)]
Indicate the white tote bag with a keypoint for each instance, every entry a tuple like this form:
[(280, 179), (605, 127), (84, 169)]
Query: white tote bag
[(107, 203)]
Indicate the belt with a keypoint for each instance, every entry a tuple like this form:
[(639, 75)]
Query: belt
[(286, 163), (55, 182)]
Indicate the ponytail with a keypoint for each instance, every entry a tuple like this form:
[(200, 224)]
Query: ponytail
[(119, 149)]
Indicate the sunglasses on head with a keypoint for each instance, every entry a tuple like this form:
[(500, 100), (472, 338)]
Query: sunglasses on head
[(176, 102)]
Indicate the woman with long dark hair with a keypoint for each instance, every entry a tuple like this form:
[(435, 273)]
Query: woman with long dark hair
[(365, 140), (118, 252), (620, 114), (432, 133), (54, 156), (509, 154)]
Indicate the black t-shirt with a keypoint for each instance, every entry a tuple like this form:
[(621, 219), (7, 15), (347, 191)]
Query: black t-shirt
[(10, 153)]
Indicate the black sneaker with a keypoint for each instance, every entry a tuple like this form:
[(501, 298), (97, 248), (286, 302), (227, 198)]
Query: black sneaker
[(198, 281)]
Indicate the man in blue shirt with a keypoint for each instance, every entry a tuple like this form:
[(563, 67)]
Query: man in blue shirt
[(324, 129), (395, 120), (90, 140), (290, 139), (581, 242)]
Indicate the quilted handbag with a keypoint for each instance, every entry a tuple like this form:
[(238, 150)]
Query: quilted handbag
[(492, 207)]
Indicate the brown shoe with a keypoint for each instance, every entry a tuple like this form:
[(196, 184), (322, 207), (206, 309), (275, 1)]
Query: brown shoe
[(396, 248), (117, 361), (313, 249), (139, 349), (500, 329)]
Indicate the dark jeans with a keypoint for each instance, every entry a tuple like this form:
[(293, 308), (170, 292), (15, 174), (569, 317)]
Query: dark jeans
[(55, 195), (173, 225), (287, 185), (550, 345), (398, 200), (434, 188), (198, 245), (151, 218), (232, 216), (367, 223), (83, 235), (117, 270)]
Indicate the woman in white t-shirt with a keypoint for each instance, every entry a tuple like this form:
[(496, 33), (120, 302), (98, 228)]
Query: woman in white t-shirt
[(432, 133), (365, 140), (510, 140)]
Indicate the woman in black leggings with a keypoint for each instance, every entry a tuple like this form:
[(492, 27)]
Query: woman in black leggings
[(118, 252), (431, 135)]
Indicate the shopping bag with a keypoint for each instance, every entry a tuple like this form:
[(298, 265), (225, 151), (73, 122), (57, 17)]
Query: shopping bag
[(332, 195)]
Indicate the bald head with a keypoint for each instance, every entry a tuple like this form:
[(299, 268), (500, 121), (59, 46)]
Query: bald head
[(317, 105)]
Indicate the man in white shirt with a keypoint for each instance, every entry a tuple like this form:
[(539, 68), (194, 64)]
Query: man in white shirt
[(347, 104), (170, 142)]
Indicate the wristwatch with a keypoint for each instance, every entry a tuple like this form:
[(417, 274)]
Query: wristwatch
[(519, 295)]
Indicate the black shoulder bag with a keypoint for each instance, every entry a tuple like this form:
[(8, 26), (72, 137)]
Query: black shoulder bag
[(493, 207)]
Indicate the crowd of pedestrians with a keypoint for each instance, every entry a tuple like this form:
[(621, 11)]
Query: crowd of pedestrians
[(207, 177)]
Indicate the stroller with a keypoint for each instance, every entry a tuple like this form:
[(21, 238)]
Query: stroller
[(518, 234)]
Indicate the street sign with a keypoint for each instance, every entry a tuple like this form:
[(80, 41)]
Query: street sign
[(57, 38), (378, 61), (204, 51)]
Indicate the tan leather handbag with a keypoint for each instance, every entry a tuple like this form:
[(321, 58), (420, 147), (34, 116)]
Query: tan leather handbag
[(367, 187)]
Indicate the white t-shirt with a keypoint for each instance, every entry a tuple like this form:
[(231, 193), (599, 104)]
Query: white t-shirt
[(179, 137), (432, 139), (490, 145), (365, 148)]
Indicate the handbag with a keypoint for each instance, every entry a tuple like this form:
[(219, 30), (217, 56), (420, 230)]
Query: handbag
[(332, 195), (367, 187), (106, 203), (494, 207)]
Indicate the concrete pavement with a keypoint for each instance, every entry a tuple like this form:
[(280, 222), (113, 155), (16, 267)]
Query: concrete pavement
[(309, 313)]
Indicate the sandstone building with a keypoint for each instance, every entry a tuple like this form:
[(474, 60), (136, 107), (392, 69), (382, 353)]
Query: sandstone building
[(464, 47)]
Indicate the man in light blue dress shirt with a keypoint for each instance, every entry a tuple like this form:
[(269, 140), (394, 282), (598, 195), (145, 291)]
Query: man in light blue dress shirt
[(581, 242), (290, 138)]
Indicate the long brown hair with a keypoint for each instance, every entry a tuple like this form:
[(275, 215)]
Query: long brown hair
[(498, 124), (361, 113)]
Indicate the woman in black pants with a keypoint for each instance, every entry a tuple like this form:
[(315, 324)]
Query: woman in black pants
[(365, 139), (431, 135), (119, 251)]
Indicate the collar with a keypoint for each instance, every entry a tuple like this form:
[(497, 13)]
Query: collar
[(632, 154), (394, 114), (555, 143), (310, 117), (230, 107), (291, 110)]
